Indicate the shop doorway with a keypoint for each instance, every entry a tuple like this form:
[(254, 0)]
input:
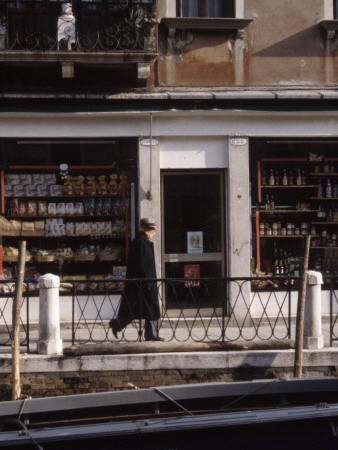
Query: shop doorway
[(193, 226)]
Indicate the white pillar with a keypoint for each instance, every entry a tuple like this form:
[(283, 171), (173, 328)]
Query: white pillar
[(49, 342), (313, 337), (239, 229)]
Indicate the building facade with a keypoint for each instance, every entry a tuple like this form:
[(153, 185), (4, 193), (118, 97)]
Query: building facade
[(186, 106)]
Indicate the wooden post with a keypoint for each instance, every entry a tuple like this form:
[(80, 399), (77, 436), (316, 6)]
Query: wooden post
[(17, 302), (298, 367)]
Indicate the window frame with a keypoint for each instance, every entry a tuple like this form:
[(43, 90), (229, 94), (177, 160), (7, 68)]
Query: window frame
[(202, 10)]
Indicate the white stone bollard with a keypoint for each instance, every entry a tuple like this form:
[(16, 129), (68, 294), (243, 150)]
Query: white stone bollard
[(49, 342), (313, 337)]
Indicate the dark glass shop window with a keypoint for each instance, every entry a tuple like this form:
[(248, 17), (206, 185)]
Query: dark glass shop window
[(206, 8)]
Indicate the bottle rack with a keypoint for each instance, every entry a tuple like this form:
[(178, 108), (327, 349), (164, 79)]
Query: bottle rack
[(306, 206)]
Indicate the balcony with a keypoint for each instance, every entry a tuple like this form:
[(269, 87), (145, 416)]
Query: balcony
[(81, 33)]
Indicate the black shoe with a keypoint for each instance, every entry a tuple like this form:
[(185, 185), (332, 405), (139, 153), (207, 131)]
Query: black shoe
[(113, 325)]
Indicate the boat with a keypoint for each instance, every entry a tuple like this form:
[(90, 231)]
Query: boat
[(262, 414)]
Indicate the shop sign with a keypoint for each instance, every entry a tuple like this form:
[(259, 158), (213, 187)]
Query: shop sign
[(238, 141), (195, 241), (192, 271)]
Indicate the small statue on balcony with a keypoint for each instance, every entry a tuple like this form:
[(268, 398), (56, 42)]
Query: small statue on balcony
[(66, 28)]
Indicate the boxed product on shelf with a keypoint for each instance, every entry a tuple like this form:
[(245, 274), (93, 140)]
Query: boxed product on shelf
[(5, 224), (38, 178), (30, 190), (28, 226), (42, 208), (42, 190), (25, 179), (55, 190), (69, 209), (32, 208), (23, 208), (61, 209), (51, 209), (19, 190), (50, 178), (16, 224), (89, 207), (8, 190), (12, 178)]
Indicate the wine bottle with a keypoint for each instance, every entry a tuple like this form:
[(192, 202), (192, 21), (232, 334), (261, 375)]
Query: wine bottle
[(271, 178), (285, 178), (328, 189), (320, 189)]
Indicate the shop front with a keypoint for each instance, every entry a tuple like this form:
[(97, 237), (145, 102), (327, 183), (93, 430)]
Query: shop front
[(198, 174)]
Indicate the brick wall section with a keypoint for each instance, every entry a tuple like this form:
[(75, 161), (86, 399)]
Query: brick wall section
[(55, 384)]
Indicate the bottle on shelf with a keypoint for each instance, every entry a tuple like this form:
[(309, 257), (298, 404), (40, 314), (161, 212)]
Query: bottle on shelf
[(328, 191), (299, 178), (277, 179), (303, 178), (332, 167), (267, 203), (272, 203), (334, 189), (285, 178), (291, 178), (271, 178), (326, 167), (263, 178), (320, 189)]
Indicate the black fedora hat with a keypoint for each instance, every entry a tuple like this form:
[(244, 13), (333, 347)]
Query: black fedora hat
[(147, 223)]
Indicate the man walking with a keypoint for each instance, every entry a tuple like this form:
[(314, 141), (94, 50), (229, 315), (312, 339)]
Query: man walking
[(140, 298)]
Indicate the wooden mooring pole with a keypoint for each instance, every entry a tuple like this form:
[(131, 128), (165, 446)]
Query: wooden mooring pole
[(17, 302), (298, 366)]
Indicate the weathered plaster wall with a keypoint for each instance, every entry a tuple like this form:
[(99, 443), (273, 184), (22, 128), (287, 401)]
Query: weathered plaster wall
[(284, 44)]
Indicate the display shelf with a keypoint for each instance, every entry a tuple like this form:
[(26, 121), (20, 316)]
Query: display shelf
[(287, 211), (321, 247), (22, 233), (292, 186), (323, 198), (323, 174), (282, 236), (324, 223), (63, 196)]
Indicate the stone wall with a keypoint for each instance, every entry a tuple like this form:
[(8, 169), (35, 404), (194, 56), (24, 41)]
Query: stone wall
[(43, 376)]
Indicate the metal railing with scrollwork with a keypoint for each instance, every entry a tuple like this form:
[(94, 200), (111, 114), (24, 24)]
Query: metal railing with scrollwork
[(89, 27)]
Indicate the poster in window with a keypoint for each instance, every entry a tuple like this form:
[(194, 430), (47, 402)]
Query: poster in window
[(192, 271), (195, 241)]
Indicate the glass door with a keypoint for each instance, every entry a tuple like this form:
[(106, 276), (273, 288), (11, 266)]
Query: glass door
[(193, 225)]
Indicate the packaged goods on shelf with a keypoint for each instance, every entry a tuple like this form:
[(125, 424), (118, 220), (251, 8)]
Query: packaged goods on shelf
[(30, 190), (112, 185), (67, 188), (25, 179), (78, 185), (28, 226), (16, 225), (5, 224), (55, 190), (42, 190), (90, 186), (42, 208), (12, 179), (50, 178), (101, 186), (38, 178), (19, 190)]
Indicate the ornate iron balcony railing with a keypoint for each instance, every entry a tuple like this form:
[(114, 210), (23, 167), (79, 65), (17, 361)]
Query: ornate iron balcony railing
[(80, 26)]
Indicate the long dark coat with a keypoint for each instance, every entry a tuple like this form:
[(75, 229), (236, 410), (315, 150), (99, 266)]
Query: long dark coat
[(140, 298)]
